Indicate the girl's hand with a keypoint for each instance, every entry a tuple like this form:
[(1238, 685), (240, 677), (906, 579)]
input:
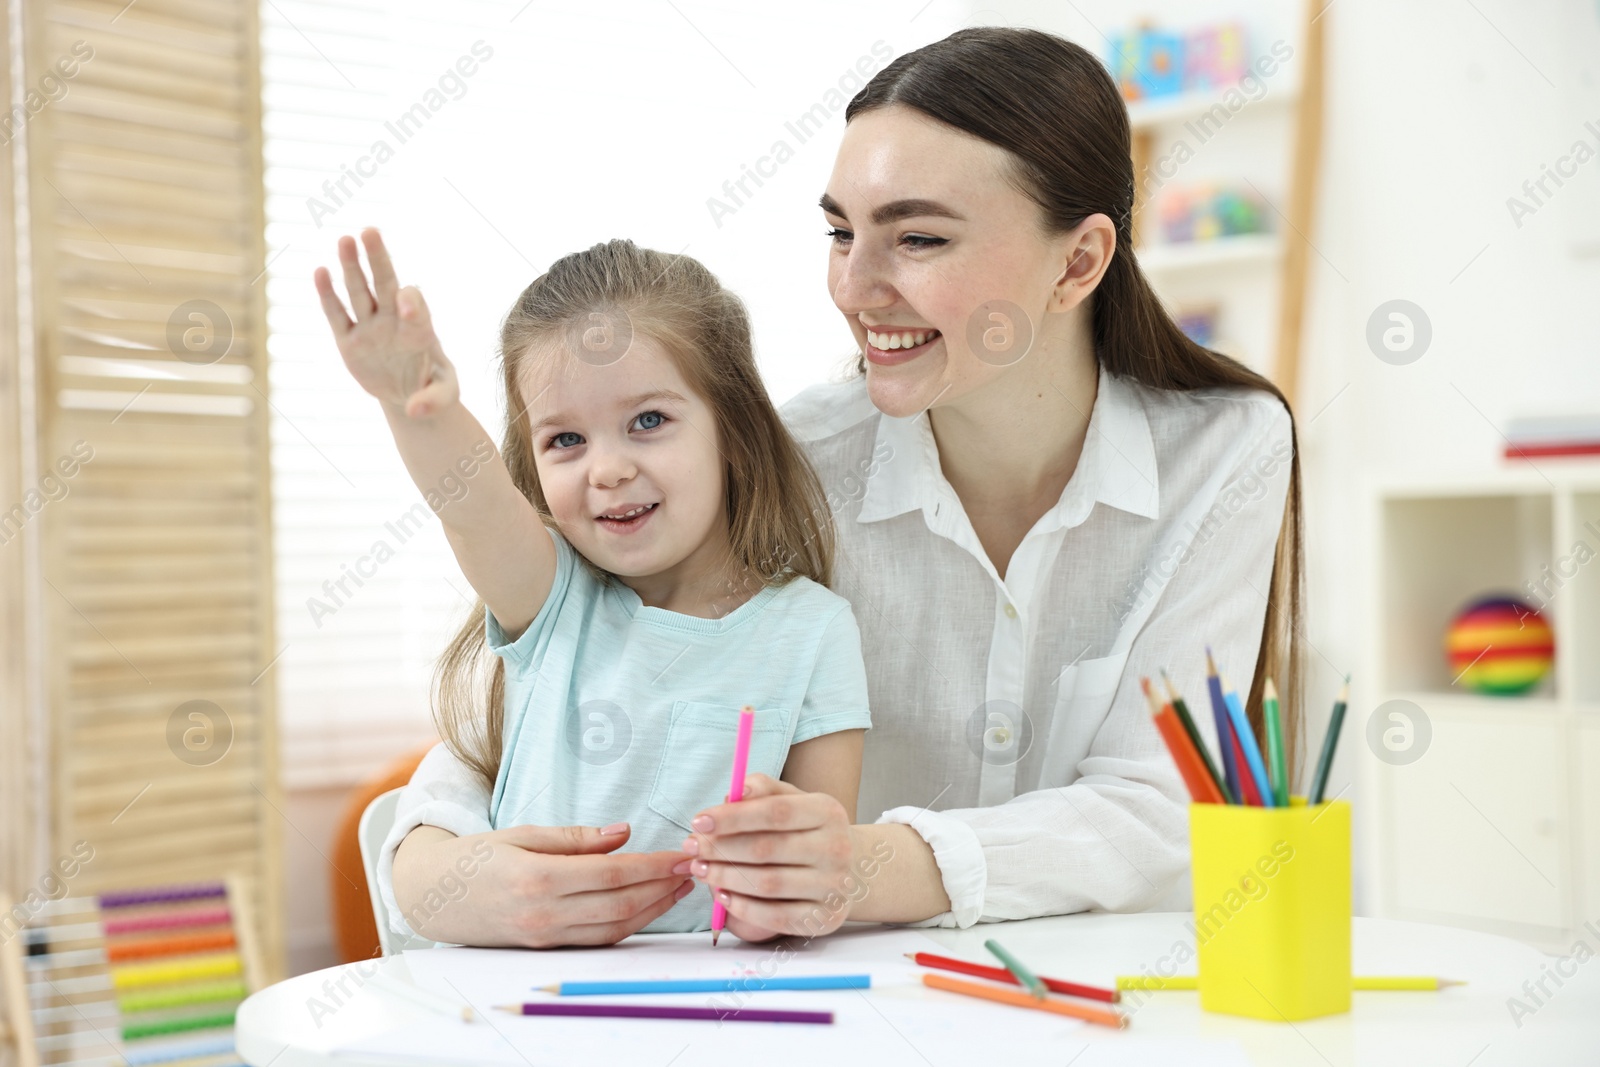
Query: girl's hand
[(390, 347), (781, 856), (532, 886)]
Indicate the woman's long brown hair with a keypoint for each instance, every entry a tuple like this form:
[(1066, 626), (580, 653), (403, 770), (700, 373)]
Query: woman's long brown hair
[(779, 524), (1054, 107)]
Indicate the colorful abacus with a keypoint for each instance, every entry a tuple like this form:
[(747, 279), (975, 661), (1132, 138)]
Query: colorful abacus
[(141, 977)]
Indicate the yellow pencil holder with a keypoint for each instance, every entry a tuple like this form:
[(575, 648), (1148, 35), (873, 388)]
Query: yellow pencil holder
[(1272, 908)]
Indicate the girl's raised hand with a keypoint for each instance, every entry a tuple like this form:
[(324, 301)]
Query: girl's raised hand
[(389, 345)]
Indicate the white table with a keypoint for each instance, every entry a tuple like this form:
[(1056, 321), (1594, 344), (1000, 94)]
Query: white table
[(1467, 1026)]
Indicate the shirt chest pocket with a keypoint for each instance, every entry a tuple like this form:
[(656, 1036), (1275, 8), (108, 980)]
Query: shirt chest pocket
[(697, 759), (1085, 692)]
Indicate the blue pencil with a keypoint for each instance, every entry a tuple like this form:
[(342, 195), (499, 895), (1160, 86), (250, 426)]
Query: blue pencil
[(750, 984), (1219, 711), (1247, 743)]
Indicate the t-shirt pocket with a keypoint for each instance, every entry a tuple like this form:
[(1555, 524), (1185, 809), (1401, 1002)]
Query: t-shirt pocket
[(697, 760)]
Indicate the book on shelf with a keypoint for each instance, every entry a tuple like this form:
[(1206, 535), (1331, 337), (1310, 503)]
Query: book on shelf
[(1535, 436)]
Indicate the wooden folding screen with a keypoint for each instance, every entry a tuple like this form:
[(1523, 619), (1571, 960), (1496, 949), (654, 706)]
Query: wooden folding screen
[(144, 324)]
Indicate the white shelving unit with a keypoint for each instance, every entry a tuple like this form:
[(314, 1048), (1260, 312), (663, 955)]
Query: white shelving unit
[(1261, 135), (1497, 825), (1187, 107), (1255, 248)]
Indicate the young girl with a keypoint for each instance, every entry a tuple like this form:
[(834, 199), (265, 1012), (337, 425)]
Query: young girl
[(650, 545)]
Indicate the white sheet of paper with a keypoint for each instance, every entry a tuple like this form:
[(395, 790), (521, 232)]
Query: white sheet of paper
[(898, 1021)]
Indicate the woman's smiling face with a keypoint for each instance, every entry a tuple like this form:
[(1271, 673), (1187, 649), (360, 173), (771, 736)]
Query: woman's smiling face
[(934, 243)]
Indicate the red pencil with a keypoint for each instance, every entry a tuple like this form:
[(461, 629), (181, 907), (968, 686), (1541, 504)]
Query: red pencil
[(1247, 781), (1195, 775), (1000, 974)]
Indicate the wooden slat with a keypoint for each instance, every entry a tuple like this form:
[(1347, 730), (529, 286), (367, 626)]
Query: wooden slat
[(89, 131), (1297, 250), (123, 70), (150, 761), (101, 800), (96, 713), (168, 871)]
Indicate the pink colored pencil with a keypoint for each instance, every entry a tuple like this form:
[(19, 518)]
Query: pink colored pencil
[(741, 760)]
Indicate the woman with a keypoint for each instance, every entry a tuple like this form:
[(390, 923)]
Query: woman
[(1043, 491)]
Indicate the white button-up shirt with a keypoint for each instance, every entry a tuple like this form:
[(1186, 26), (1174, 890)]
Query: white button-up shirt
[(1009, 729)]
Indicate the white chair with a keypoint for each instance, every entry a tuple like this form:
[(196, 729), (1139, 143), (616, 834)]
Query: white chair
[(376, 822)]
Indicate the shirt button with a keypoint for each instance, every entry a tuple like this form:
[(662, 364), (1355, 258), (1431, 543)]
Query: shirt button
[(1011, 611)]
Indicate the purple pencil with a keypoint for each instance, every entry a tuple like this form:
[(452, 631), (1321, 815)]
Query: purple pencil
[(642, 1011)]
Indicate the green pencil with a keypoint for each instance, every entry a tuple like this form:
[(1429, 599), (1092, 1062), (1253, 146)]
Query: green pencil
[(1026, 977), (1180, 709), (1280, 771), (1319, 784)]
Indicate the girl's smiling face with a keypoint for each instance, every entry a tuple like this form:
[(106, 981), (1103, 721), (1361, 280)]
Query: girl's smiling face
[(934, 243), (627, 458)]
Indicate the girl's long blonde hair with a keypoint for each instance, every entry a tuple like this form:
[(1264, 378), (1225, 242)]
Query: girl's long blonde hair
[(779, 525)]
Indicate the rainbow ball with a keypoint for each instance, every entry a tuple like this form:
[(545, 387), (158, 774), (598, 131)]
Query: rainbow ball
[(1499, 645)]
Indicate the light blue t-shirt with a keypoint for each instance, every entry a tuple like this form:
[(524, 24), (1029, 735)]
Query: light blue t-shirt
[(618, 712)]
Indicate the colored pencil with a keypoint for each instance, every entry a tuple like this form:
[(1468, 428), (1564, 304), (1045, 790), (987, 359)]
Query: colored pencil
[(1319, 784), (1019, 999), (1255, 765), (1276, 764), (1231, 756), (1201, 788), (651, 1011), (1248, 792), (1000, 974), (748, 984), (1418, 983), (1015, 966), (422, 998), (1181, 709), (741, 760)]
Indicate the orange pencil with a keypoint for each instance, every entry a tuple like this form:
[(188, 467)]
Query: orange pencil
[(1201, 786), (1020, 999)]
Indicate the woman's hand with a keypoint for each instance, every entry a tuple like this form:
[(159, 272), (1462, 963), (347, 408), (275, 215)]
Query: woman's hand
[(390, 347), (779, 860), (532, 886)]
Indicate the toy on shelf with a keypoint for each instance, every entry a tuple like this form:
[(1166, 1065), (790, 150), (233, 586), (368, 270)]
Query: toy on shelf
[(1499, 645), (1199, 323), (1207, 212), (1150, 63), (142, 976)]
